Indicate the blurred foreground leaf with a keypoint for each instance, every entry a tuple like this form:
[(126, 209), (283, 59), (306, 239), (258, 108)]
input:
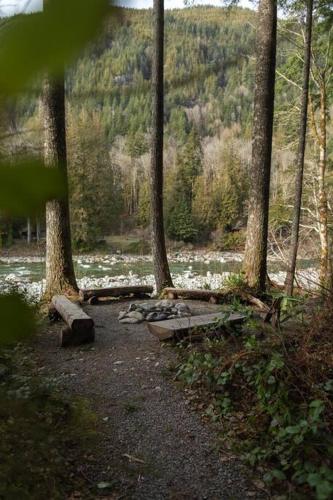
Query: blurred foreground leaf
[(30, 44), (17, 319), (25, 187)]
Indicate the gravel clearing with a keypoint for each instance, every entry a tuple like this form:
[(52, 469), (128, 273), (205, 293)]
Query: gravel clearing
[(151, 444)]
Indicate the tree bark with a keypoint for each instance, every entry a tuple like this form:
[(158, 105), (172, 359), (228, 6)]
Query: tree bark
[(324, 271), (255, 259), (29, 231), (160, 260), (289, 282), (37, 229), (60, 277)]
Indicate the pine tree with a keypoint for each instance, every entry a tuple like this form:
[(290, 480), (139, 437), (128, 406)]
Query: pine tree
[(160, 260), (181, 225), (255, 259), (60, 277)]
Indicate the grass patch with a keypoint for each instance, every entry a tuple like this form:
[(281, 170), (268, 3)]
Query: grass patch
[(270, 392), (43, 434)]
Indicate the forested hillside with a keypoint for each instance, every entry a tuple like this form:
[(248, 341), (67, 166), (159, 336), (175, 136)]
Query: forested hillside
[(209, 70), (176, 135)]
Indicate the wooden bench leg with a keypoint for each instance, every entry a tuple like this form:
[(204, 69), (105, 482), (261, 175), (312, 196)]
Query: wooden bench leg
[(53, 314), (93, 301), (70, 338)]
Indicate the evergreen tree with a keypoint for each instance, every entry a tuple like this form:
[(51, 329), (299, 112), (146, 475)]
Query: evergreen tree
[(60, 277), (255, 259), (181, 224), (160, 260)]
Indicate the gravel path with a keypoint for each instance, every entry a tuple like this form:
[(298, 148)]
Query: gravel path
[(170, 453)]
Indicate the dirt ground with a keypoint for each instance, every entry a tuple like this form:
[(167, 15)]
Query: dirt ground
[(151, 445)]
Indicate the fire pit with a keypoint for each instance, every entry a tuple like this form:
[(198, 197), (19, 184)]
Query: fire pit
[(159, 311)]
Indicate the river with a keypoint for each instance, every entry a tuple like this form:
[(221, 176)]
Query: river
[(189, 269)]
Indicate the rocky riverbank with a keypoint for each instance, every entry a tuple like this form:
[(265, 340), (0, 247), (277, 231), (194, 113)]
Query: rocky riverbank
[(210, 270)]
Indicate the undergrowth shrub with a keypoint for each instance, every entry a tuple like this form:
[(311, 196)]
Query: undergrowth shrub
[(43, 433), (271, 392)]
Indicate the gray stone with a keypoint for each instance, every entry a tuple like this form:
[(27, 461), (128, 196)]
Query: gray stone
[(165, 303), (158, 311), (146, 306), (136, 314), (184, 314), (131, 321), (182, 307), (152, 316), (161, 317)]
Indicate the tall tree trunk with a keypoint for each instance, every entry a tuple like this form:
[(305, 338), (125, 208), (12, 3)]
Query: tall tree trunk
[(161, 266), (255, 259), (324, 272), (289, 283), (37, 229), (29, 231), (60, 277)]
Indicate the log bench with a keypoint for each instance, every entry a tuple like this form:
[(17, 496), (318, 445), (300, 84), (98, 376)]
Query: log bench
[(268, 313), (92, 296), (194, 327), (79, 327), (211, 296)]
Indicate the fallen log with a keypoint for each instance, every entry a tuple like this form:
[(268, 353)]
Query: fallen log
[(195, 326), (254, 301), (195, 294), (80, 327), (268, 313), (120, 291)]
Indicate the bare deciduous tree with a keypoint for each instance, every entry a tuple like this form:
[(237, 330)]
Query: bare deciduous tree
[(289, 283)]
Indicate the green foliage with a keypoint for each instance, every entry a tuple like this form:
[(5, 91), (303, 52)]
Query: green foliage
[(17, 319), (111, 79), (136, 144), (233, 240), (235, 281), (144, 204), (33, 185), (219, 201), (180, 222), (178, 125), (283, 418), (91, 172), (47, 40), (180, 225)]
